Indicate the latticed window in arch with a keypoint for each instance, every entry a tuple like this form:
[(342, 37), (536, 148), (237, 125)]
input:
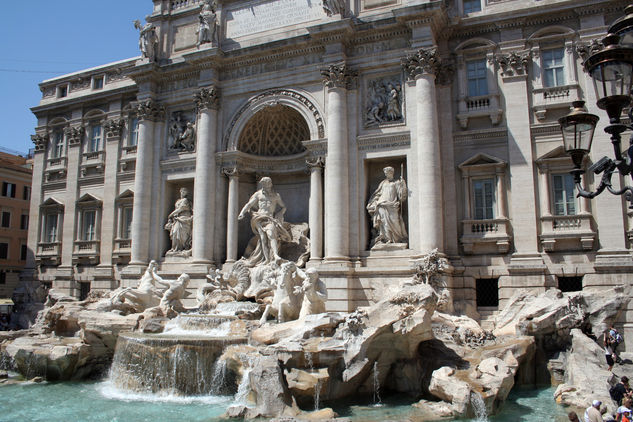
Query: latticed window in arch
[(274, 131)]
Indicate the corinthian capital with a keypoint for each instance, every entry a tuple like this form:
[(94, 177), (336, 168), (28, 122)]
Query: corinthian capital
[(150, 110), (74, 134), (113, 128), (40, 140), (424, 61), (207, 98), (338, 76)]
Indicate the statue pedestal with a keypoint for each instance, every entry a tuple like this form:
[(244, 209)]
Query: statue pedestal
[(389, 247)]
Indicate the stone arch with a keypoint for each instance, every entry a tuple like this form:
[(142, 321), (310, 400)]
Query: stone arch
[(476, 44), (297, 101)]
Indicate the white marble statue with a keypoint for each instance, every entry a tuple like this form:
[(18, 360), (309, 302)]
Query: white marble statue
[(179, 224), (385, 208), (147, 294), (267, 217), (148, 40), (286, 302), (313, 291), (170, 302), (208, 24)]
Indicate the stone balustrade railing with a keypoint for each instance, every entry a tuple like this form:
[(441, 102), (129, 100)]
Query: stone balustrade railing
[(179, 4)]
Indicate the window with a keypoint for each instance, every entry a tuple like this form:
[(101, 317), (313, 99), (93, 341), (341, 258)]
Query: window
[(3, 277), (570, 284), (97, 82), (50, 228), (564, 194), (4, 250), (476, 77), (23, 250), (6, 219), (94, 143), (62, 91), (133, 135), (487, 291), (26, 193), (88, 224), (484, 199), (126, 223), (472, 6), (58, 144), (553, 68), (24, 222), (8, 189)]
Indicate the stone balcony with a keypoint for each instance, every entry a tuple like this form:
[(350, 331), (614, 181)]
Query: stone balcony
[(49, 252), (554, 97), (86, 250), (127, 163), (481, 106), (486, 236), (122, 250), (93, 163), (567, 232)]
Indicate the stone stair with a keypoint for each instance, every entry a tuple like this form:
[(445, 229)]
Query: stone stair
[(487, 317)]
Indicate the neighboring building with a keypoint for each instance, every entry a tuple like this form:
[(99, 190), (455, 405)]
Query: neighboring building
[(460, 97), (15, 177)]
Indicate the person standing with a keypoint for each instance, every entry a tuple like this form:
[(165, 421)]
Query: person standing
[(592, 414)]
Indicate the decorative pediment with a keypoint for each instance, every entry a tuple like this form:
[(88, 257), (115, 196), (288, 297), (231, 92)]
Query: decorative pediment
[(52, 203), (482, 159), (555, 158), (88, 199), (126, 194)]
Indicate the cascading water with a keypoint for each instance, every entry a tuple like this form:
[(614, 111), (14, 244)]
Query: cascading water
[(181, 361), (376, 379), (479, 407), (317, 394), (244, 387)]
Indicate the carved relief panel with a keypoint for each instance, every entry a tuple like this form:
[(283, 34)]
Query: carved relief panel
[(181, 131), (383, 101)]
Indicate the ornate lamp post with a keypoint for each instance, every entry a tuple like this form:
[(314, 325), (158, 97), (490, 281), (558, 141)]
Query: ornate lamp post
[(612, 72)]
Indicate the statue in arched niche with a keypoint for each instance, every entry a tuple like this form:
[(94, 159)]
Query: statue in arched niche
[(179, 224), (385, 209)]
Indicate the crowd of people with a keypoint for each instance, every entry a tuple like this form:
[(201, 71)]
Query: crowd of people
[(621, 393)]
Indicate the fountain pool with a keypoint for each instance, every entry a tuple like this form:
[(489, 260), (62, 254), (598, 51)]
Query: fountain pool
[(100, 401)]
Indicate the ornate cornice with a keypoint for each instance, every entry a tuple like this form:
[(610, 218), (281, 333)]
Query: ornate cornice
[(339, 76), (207, 98), (586, 49), (74, 135), (423, 61), (40, 140), (315, 162), (150, 110), (113, 128), (514, 63)]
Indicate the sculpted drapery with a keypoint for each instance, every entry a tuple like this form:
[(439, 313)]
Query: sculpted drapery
[(385, 208)]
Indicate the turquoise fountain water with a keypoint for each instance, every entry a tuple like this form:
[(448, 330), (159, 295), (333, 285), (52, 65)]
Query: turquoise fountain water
[(101, 402)]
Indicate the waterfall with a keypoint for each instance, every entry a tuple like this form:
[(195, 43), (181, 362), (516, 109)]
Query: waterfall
[(376, 379), (317, 394), (479, 407), (218, 380), (244, 388), (308, 357)]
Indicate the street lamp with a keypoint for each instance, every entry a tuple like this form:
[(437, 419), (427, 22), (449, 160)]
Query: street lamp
[(611, 69)]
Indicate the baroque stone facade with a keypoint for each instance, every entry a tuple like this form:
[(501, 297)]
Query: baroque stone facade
[(459, 98)]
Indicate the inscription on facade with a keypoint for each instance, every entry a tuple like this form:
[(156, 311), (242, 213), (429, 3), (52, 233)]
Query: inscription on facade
[(271, 15)]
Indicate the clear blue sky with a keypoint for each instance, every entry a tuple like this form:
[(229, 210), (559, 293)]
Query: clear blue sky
[(42, 39)]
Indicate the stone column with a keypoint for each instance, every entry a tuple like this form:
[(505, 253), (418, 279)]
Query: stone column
[(207, 101), (315, 218), (232, 213), (338, 79), (148, 111), (35, 224), (423, 66), (113, 129), (74, 136)]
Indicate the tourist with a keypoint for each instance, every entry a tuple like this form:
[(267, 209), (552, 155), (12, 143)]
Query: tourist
[(624, 412), (573, 417), (616, 340), (621, 391), (608, 350), (592, 414)]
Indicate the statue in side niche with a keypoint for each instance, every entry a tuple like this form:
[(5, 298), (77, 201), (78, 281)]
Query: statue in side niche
[(148, 40), (208, 24), (179, 224), (385, 209), (267, 218)]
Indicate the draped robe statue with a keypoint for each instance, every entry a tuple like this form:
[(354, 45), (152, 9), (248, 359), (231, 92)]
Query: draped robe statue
[(385, 208)]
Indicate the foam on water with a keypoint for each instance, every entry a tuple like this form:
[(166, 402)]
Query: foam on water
[(109, 391)]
